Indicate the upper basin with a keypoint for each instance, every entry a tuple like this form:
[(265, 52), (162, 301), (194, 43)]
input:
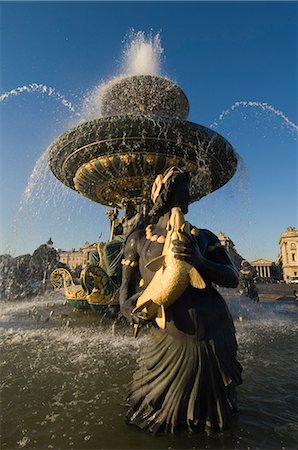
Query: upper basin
[(144, 94)]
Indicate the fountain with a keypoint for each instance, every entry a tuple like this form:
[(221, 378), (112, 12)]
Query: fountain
[(142, 132), (64, 374), (143, 152)]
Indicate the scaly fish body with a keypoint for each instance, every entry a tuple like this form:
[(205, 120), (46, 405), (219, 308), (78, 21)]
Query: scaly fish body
[(169, 282), (173, 277)]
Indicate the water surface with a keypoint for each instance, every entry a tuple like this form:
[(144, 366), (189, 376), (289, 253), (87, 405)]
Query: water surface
[(64, 374)]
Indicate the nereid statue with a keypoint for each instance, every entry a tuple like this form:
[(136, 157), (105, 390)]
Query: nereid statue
[(188, 369)]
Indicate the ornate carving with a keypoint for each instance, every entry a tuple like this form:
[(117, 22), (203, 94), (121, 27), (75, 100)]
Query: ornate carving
[(62, 278), (109, 186), (98, 286)]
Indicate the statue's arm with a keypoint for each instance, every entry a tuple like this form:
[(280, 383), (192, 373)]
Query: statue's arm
[(118, 229), (217, 265), (209, 257), (130, 276)]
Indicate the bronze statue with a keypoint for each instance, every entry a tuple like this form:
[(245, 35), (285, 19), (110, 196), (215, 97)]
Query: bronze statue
[(109, 254), (247, 281), (188, 370)]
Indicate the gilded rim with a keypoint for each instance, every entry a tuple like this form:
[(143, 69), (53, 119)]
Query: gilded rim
[(106, 187)]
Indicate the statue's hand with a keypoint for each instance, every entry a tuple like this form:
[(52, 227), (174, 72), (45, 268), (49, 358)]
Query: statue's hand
[(188, 250), (140, 318)]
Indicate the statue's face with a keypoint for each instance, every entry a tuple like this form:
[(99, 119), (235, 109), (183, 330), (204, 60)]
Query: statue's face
[(129, 209), (181, 197)]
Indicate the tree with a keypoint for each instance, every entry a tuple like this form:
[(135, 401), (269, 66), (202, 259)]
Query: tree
[(44, 258)]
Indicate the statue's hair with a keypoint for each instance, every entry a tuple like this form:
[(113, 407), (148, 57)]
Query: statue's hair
[(166, 192)]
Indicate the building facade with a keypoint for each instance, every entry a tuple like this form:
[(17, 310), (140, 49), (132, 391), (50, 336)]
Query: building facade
[(75, 258), (230, 247), (263, 268), (288, 256), (72, 258)]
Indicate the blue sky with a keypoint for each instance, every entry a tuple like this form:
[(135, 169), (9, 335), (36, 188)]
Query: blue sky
[(218, 52)]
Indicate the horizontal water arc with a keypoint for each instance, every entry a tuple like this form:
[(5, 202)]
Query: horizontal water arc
[(42, 89), (263, 106)]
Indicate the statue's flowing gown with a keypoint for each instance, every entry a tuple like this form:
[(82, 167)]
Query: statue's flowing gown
[(188, 372)]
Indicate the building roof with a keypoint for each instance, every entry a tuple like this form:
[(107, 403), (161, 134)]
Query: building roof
[(259, 262), (288, 233)]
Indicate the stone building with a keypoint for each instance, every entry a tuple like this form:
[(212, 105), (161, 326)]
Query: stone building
[(72, 258), (230, 247), (288, 256), (75, 258), (263, 267)]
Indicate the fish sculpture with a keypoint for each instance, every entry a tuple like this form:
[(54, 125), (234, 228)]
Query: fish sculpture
[(172, 276)]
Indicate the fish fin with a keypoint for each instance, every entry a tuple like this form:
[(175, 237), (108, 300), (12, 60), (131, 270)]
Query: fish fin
[(160, 318), (155, 264), (186, 227), (196, 279), (136, 328), (149, 308), (139, 307)]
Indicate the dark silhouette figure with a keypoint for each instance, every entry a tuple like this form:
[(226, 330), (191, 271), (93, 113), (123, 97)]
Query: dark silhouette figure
[(247, 281)]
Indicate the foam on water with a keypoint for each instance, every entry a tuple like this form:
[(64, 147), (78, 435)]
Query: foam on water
[(51, 321), (102, 340), (15, 318), (67, 385)]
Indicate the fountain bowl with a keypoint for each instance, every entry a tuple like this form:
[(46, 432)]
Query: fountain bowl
[(144, 94), (142, 133)]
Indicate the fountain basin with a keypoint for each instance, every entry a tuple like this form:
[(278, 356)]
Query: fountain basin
[(114, 157), (144, 94)]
